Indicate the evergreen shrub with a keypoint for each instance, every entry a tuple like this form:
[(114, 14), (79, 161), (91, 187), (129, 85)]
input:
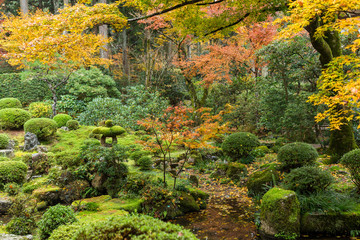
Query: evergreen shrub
[(13, 118), (239, 145), (43, 128)]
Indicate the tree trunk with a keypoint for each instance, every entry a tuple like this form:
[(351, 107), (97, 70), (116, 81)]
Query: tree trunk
[(103, 31), (125, 56), (54, 97), (147, 58), (24, 6)]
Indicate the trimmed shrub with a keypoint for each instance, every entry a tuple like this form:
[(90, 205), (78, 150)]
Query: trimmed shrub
[(298, 154), (120, 227), (62, 119), (10, 103), (13, 118), (43, 128), (308, 179), (138, 154), (145, 163), (239, 145), (40, 110), (12, 171), (4, 159), (53, 218), (4, 141), (72, 124), (351, 161)]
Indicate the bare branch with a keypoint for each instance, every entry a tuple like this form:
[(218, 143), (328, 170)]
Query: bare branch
[(210, 3)]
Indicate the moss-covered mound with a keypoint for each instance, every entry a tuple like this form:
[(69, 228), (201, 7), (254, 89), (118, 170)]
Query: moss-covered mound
[(13, 118), (12, 171), (10, 103), (261, 180), (109, 131), (123, 227), (62, 119)]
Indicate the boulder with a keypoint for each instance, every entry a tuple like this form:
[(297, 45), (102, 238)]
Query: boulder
[(9, 153), (30, 141), (5, 204), (98, 182), (261, 180), (280, 214), (65, 128), (50, 194), (187, 203), (11, 145), (4, 236), (42, 149)]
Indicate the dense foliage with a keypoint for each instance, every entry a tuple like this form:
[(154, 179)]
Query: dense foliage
[(62, 119), (12, 171), (351, 162), (4, 141), (43, 128), (10, 103), (13, 118), (239, 145)]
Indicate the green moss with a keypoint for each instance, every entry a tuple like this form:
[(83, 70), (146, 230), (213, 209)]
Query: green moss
[(259, 181), (109, 132), (200, 197), (280, 212), (72, 124), (33, 184), (187, 203)]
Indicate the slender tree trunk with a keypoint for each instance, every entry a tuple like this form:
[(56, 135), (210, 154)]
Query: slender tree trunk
[(24, 6), (54, 97), (125, 56), (104, 31), (147, 58)]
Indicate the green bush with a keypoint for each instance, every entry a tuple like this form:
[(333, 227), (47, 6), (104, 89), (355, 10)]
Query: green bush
[(12, 171), (40, 110), (20, 225), (351, 161), (62, 119), (4, 159), (12, 188), (123, 227), (13, 118), (53, 218), (307, 180), (43, 128), (138, 154), (145, 163), (239, 145), (10, 103), (298, 154), (72, 124), (4, 141)]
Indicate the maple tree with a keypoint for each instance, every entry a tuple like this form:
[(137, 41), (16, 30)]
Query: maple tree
[(176, 127), (324, 21), (55, 45)]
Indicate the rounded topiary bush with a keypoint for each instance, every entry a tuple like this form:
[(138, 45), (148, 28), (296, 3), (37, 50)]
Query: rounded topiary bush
[(307, 180), (43, 128), (138, 154), (72, 124), (53, 218), (298, 154), (144, 163), (13, 118), (4, 141), (62, 119), (119, 227), (40, 109), (351, 161), (12, 171), (239, 145), (10, 103)]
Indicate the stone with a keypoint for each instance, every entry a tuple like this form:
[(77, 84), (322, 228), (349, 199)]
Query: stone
[(39, 163), (261, 180), (65, 128), (187, 203), (11, 144), (51, 194), (280, 214), (5, 204), (9, 153), (98, 182), (30, 141), (4, 236), (42, 149), (73, 191), (194, 180)]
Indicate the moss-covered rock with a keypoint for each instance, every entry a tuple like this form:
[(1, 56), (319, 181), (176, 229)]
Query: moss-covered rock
[(331, 224), (200, 197), (280, 213), (187, 203), (259, 181), (50, 194), (235, 171)]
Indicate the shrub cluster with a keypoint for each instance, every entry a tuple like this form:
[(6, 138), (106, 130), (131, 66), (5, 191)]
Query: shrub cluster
[(10, 103), (4, 141), (144, 163), (13, 118), (40, 110), (43, 128), (239, 145), (62, 119), (53, 218), (298, 154)]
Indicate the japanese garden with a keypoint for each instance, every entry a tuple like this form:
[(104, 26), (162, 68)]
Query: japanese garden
[(181, 119)]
